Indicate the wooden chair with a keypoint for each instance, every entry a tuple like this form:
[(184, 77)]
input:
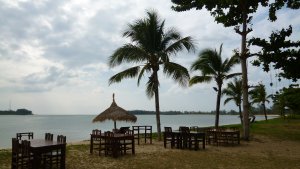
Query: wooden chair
[(49, 136), (16, 153), (168, 138), (210, 136), (112, 147), (108, 143), (26, 135), (185, 137), (53, 158), (221, 136), (194, 128), (233, 138), (126, 144), (98, 142), (21, 156)]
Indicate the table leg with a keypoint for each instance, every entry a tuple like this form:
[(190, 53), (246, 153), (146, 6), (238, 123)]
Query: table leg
[(196, 142), (91, 145), (36, 160), (133, 148), (63, 157)]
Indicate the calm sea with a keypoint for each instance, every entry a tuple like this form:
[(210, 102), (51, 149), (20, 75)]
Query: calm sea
[(78, 127)]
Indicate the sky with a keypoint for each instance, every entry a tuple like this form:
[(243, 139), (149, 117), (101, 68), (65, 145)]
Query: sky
[(54, 54)]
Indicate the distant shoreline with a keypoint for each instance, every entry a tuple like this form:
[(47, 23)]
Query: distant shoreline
[(18, 112)]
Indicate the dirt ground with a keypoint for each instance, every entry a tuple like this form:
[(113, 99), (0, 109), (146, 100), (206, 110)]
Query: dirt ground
[(260, 152)]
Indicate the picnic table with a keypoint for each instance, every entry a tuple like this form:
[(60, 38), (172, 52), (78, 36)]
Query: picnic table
[(184, 140), (41, 146), (224, 136)]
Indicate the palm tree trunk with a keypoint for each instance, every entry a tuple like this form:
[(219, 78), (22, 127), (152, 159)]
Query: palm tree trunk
[(265, 112), (240, 111), (218, 105), (246, 126), (156, 93)]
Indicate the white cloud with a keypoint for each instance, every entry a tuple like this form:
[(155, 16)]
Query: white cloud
[(53, 54)]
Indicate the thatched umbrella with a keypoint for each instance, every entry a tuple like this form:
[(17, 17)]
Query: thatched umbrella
[(115, 113)]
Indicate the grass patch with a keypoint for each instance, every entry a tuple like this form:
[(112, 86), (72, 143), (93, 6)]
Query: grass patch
[(5, 158), (279, 128)]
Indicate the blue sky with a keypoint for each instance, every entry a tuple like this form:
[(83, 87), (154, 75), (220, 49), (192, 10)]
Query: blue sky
[(53, 55)]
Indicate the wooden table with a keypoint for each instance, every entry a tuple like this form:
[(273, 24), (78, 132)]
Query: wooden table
[(117, 137), (197, 136), (40, 146), (229, 133)]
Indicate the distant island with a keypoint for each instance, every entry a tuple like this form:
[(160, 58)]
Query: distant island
[(18, 112)]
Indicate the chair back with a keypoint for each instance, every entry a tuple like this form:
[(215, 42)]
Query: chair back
[(168, 131), (96, 132), (49, 136), (108, 137), (194, 128), (25, 148), (61, 139), (234, 128), (26, 135), (184, 129), (123, 130), (16, 146), (129, 132)]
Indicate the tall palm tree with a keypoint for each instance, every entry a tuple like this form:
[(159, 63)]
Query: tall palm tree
[(211, 66), (151, 49), (259, 95), (234, 93)]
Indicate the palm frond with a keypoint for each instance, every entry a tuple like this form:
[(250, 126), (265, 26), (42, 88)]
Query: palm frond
[(233, 60), (128, 73), (150, 88), (232, 75), (228, 100), (170, 35), (199, 79), (227, 91), (187, 43), (128, 53), (146, 68), (206, 62), (179, 73)]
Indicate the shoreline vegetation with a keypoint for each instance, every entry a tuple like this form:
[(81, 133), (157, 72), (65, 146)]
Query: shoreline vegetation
[(145, 112), (222, 112), (18, 112), (273, 144)]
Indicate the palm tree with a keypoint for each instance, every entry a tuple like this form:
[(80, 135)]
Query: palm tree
[(151, 49), (259, 95), (211, 66), (234, 93)]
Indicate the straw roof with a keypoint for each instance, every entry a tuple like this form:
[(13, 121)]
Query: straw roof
[(115, 113)]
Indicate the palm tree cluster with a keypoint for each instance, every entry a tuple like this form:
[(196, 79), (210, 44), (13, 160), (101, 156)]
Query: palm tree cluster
[(212, 67), (151, 49), (234, 93), (259, 95)]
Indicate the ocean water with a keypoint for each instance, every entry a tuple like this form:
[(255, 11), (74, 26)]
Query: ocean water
[(79, 127)]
